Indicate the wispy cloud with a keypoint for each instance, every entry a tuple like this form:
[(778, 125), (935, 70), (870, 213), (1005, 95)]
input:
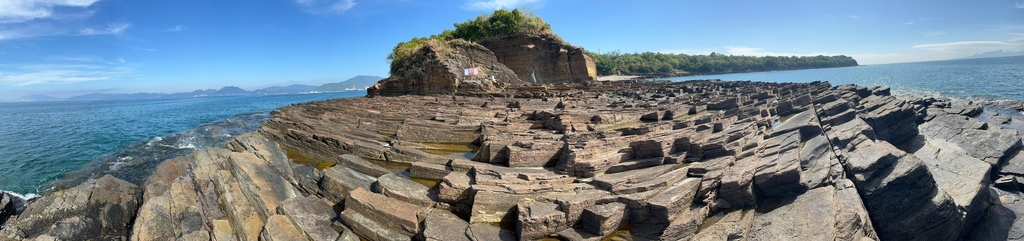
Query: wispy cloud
[(969, 46), (853, 16), (749, 51), (16, 11), (39, 18), (496, 4), (64, 69), (1017, 38), (176, 28), (1018, 5), (326, 6), (35, 74), (110, 29)]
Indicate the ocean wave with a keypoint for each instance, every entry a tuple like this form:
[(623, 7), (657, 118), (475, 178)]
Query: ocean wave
[(138, 160), (26, 196)]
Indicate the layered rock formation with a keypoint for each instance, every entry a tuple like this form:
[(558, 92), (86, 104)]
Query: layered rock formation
[(698, 160), (439, 69), (541, 58), (503, 61)]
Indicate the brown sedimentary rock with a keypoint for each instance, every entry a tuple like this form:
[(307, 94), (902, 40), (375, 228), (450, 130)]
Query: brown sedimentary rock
[(586, 161)]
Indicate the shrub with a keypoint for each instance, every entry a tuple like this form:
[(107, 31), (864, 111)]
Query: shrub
[(499, 23)]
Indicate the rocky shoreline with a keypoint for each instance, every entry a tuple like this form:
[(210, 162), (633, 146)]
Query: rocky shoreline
[(618, 160)]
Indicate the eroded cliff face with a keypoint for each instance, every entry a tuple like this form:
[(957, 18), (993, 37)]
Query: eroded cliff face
[(440, 70), (542, 59)]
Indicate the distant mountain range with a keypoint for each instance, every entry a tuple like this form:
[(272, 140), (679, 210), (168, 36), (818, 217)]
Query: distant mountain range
[(359, 82), (995, 54)]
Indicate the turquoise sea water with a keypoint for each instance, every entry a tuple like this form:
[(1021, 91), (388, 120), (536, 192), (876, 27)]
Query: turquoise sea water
[(69, 141), (1000, 78)]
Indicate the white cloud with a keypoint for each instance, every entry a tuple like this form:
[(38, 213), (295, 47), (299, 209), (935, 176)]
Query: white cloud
[(969, 46), (495, 4), (1018, 5), (111, 29), (35, 74), (1017, 37), (176, 28), (886, 58), (326, 6), (16, 11), (749, 51)]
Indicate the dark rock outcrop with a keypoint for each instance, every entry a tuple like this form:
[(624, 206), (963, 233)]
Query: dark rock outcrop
[(99, 209)]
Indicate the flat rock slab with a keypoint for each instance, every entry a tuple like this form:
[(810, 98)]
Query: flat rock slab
[(442, 225), (486, 232), (339, 181), (603, 219), (312, 215), (370, 229), (538, 219), (401, 188), (388, 212), (280, 228)]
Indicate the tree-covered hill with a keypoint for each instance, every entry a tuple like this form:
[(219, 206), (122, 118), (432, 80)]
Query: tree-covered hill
[(661, 64)]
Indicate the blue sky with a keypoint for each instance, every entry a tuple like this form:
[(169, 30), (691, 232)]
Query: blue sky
[(70, 47)]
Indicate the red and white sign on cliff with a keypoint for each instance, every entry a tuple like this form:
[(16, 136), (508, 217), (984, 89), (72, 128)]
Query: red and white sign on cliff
[(472, 71)]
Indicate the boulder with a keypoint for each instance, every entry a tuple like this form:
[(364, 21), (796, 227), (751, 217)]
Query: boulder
[(339, 181), (538, 219), (603, 219), (455, 188), (98, 209), (402, 217), (442, 225), (402, 188), (428, 171)]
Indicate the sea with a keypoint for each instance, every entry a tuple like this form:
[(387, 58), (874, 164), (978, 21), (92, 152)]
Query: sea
[(995, 78), (51, 145)]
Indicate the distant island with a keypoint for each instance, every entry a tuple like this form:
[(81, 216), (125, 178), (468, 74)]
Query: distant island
[(360, 82), (995, 54)]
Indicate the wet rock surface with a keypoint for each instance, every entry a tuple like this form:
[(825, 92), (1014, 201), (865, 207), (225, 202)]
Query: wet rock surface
[(700, 160)]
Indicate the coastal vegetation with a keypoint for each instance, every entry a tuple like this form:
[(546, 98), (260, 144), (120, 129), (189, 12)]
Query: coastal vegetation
[(499, 23), (522, 21), (662, 64)]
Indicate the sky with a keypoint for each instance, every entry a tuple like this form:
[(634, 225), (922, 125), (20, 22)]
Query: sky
[(70, 47)]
